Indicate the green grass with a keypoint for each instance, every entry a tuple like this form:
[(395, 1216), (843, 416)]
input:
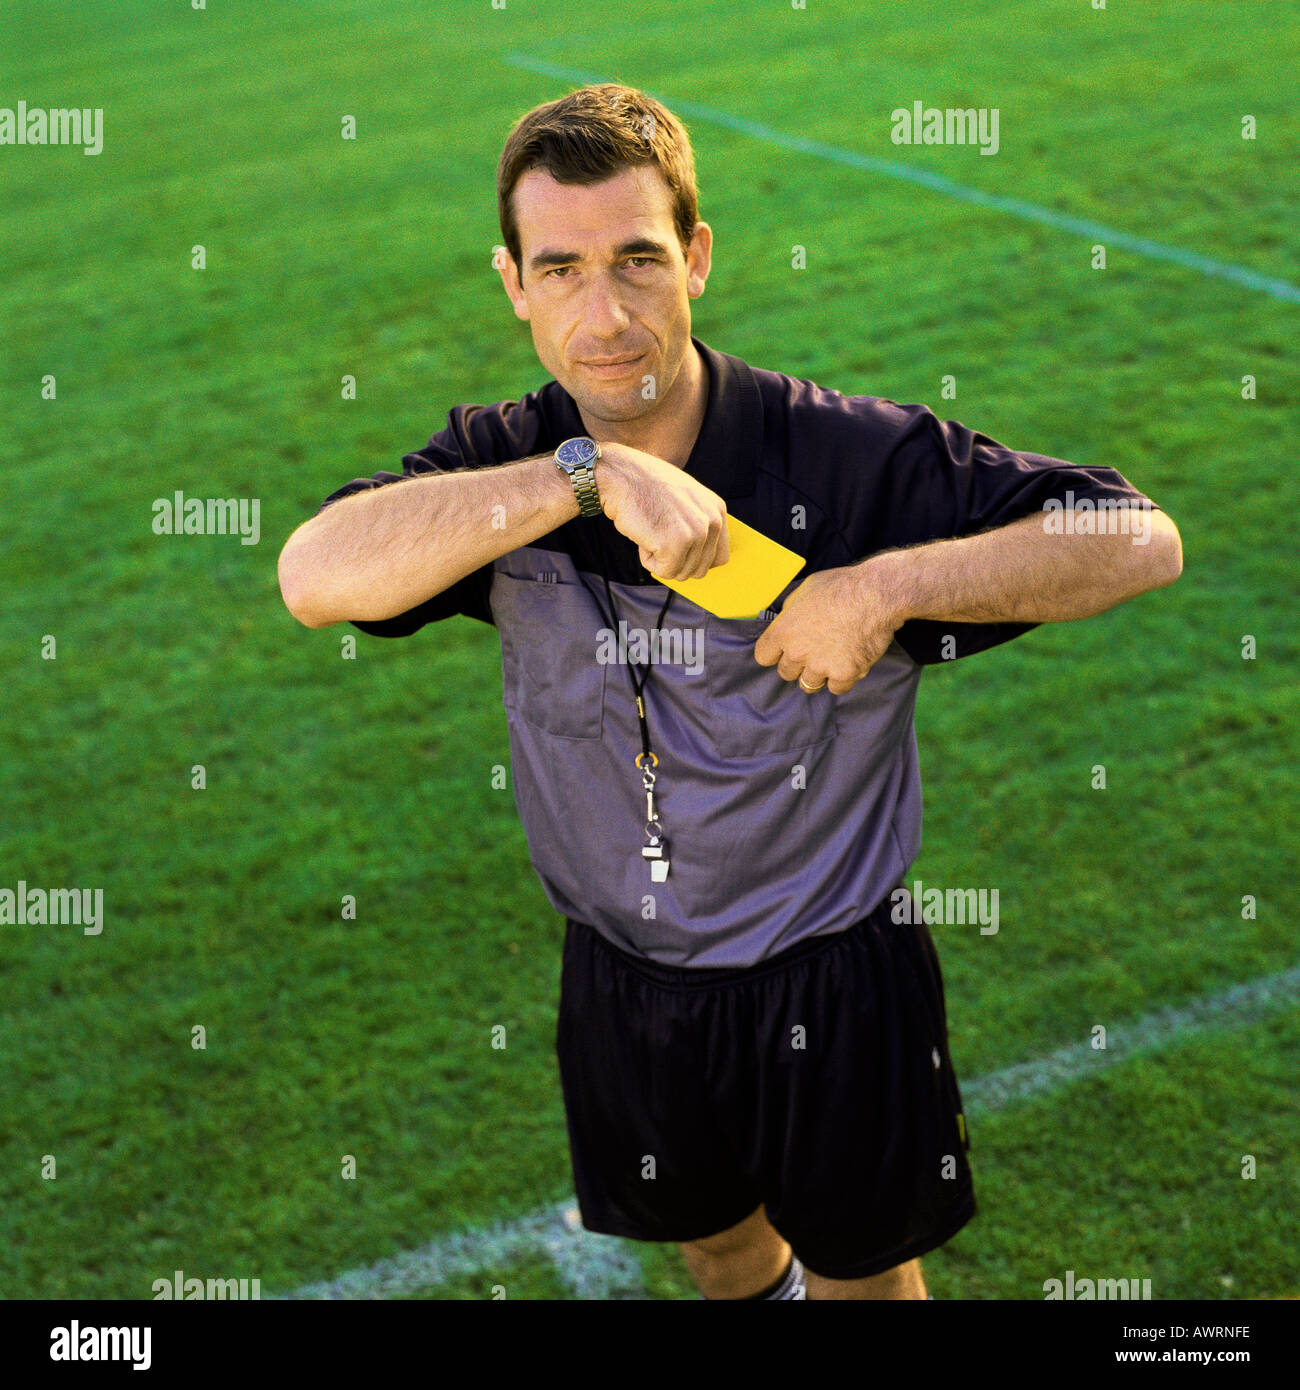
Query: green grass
[(531, 1278), (372, 776)]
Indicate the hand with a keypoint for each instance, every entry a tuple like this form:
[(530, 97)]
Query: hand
[(832, 630), (678, 524)]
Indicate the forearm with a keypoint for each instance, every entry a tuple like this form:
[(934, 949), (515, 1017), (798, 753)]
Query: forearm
[(379, 553), (1023, 574)]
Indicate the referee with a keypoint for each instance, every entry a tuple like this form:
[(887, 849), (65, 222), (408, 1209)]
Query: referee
[(752, 1036)]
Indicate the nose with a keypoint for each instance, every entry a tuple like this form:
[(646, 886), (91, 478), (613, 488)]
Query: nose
[(605, 315)]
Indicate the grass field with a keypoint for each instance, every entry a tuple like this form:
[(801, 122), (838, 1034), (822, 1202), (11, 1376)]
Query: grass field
[(371, 777)]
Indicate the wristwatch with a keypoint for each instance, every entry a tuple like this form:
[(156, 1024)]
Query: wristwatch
[(575, 458)]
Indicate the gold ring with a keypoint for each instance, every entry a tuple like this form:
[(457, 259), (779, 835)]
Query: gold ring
[(811, 689)]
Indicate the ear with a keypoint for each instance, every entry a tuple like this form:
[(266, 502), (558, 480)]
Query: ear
[(699, 259), (504, 262)]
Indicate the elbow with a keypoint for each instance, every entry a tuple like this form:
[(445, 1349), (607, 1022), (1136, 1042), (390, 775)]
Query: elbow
[(1157, 557), (297, 590), (1167, 559)]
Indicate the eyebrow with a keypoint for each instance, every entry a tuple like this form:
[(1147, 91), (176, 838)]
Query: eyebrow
[(638, 246)]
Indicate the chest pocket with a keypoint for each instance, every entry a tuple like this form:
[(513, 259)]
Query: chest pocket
[(752, 711), (549, 670)]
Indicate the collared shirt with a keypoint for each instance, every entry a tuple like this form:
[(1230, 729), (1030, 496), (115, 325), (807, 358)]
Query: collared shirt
[(786, 815)]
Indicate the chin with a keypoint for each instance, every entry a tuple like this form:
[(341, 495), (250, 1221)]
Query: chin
[(623, 403), (613, 411)]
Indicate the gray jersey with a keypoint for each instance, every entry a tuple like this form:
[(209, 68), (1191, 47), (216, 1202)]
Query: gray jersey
[(786, 815)]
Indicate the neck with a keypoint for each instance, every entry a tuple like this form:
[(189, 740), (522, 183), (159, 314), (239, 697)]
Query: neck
[(669, 431)]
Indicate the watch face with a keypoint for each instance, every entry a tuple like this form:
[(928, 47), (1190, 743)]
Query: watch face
[(574, 452)]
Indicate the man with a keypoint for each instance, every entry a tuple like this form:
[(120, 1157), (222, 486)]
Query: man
[(753, 1047)]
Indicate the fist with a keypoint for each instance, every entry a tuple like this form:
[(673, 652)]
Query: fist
[(832, 630)]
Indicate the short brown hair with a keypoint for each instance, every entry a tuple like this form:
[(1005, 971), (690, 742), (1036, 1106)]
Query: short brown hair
[(591, 135)]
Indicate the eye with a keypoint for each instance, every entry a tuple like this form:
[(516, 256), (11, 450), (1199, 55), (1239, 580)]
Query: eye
[(556, 271)]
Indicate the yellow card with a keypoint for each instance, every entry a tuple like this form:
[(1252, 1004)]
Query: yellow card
[(757, 571)]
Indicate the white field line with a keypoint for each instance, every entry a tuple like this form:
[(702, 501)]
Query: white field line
[(592, 1267), (1231, 1008), (1014, 207), (603, 1267)]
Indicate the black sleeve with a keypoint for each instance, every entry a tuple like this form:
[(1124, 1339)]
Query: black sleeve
[(941, 480), (468, 441)]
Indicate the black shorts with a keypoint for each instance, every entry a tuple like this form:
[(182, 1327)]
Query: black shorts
[(816, 1084)]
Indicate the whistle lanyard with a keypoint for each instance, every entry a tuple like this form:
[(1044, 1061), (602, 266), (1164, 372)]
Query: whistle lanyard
[(655, 850)]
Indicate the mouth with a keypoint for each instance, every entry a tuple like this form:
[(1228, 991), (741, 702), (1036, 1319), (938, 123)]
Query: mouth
[(613, 367)]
